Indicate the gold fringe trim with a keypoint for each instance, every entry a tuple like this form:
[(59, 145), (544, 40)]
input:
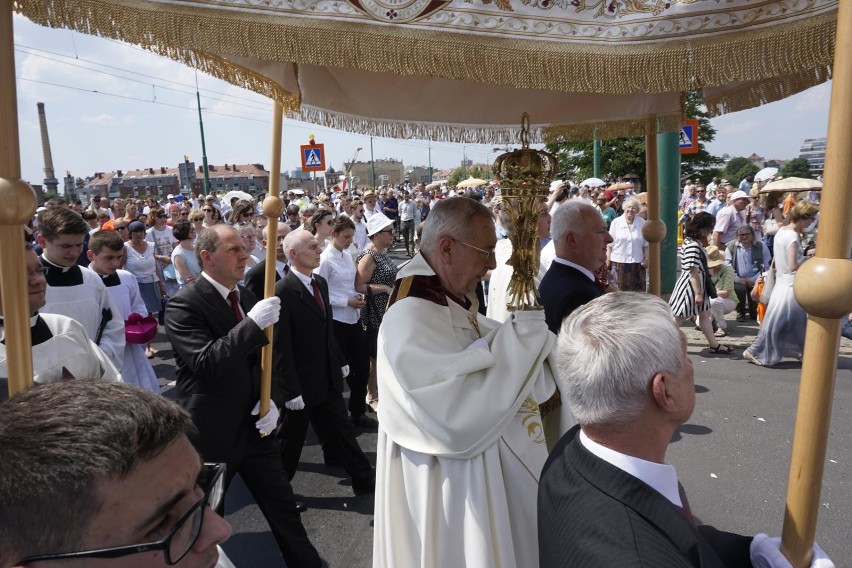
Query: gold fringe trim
[(551, 404), (429, 50), (768, 91), (670, 122)]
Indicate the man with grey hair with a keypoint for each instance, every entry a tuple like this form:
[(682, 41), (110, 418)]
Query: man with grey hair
[(460, 439), (580, 240), (607, 496)]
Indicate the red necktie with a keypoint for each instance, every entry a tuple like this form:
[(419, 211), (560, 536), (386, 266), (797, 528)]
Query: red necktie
[(685, 508), (317, 296), (234, 298)]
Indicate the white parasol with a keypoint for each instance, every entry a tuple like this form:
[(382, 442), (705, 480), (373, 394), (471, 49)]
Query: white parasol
[(471, 182), (226, 199), (791, 184), (765, 174), (593, 182)]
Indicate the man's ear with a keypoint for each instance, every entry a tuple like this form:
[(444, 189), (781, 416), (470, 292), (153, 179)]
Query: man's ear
[(661, 392), (42, 242), (445, 246), (90, 254)]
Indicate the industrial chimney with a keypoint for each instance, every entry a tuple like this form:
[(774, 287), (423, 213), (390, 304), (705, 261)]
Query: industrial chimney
[(50, 182)]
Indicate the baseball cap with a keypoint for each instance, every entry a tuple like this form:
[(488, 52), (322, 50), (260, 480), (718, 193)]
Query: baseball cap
[(738, 195), (135, 226)]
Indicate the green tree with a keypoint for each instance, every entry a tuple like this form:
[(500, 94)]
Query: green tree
[(738, 168), (621, 156), (797, 167), (462, 173)]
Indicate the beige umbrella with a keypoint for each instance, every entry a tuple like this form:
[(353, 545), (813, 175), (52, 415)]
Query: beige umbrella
[(471, 182), (791, 184)]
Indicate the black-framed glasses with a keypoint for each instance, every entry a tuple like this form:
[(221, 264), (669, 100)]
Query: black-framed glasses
[(179, 540), (488, 253), (42, 271)]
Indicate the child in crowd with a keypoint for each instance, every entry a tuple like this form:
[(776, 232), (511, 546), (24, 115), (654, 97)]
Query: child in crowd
[(106, 250)]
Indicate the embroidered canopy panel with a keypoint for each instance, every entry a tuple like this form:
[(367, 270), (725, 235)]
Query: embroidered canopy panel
[(464, 70)]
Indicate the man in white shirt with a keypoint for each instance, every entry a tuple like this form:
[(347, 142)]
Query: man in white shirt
[(607, 495), (370, 207), (406, 221), (360, 239), (730, 218)]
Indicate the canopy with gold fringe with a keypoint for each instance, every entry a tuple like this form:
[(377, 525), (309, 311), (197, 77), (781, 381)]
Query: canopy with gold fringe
[(451, 69)]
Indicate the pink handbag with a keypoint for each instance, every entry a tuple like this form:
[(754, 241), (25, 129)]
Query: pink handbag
[(140, 329)]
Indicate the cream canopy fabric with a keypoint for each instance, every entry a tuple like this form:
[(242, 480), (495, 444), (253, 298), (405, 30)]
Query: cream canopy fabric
[(464, 70)]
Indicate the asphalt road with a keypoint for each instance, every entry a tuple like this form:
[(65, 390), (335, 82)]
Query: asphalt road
[(732, 457)]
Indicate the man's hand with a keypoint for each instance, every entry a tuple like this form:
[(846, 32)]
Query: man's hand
[(295, 404), (266, 312), (266, 424), (765, 552)]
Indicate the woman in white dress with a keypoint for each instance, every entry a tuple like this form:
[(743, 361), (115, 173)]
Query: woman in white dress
[(782, 331)]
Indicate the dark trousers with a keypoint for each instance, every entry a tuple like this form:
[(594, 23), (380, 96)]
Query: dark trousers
[(332, 425), (743, 293), (408, 234), (262, 471), (353, 344)]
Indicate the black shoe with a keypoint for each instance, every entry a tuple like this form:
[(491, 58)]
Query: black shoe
[(741, 317), (332, 461), (301, 507), (365, 421), (752, 317)]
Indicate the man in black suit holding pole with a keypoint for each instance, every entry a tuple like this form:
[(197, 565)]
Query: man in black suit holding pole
[(216, 329)]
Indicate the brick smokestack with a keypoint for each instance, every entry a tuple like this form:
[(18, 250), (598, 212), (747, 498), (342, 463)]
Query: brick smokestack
[(50, 182)]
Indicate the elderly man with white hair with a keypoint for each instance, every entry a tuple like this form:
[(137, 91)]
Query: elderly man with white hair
[(608, 497), (461, 441)]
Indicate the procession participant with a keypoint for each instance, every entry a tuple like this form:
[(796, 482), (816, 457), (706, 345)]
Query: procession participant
[(216, 329), (360, 240), (729, 219), (61, 348), (164, 241), (74, 291), (106, 252), (255, 279), (407, 212), (111, 479), (308, 368), (460, 438), (608, 497), (580, 241), (370, 207)]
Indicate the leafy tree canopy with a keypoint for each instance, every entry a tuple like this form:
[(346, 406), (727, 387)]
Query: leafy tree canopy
[(797, 167), (622, 156), (462, 173), (738, 168)]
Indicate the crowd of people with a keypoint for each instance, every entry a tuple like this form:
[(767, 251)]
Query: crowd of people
[(463, 469)]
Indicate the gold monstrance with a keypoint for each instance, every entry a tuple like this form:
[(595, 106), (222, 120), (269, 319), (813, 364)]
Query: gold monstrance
[(524, 176)]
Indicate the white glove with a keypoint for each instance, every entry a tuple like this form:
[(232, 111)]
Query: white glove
[(295, 404), (765, 552), (345, 370), (266, 424), (266, 312)]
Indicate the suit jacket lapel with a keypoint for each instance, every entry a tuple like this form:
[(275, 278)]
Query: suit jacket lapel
[(212, 296), (638, 496), (306, 297)]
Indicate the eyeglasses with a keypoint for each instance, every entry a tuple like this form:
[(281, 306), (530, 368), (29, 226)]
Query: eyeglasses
[(386, 231), (122, 228), (179, 540), (207, 210), (184, 214), (743, 234), (488, 253), (37, 272)]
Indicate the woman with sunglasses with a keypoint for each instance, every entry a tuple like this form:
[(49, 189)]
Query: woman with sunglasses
[(375, 279), (212, 216), (242, 212), (320, 226)]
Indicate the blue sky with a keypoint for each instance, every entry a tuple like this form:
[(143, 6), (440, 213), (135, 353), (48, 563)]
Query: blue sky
[(144, 115)]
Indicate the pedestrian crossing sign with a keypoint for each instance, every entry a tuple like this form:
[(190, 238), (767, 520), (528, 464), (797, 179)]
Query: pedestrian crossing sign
[(689, 136), (313, 157)]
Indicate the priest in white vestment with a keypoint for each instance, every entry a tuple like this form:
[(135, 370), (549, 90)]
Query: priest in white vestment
[(460, 440)]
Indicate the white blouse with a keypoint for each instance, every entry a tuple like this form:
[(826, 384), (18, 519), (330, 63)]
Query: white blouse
[(627, 241), (338, 268)]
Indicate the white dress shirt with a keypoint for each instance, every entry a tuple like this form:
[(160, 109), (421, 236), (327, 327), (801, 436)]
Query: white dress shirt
[(627, 242), (582, 269), (223, 291), (662, 477), (338, 268)]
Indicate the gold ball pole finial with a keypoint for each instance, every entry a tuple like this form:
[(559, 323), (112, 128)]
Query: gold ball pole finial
[(822, 286)]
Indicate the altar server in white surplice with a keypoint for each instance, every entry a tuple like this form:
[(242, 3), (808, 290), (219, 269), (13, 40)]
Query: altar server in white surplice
[(460, 442), (105, 254), (61, 348)]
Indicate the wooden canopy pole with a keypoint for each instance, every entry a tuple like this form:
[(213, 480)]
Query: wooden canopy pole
[(273, 207), (18, 206), (822, 286), (654, 230)]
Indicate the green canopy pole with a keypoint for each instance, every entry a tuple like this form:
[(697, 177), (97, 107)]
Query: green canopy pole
[(668, 160)]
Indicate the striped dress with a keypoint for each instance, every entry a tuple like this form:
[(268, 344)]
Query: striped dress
[(682, 301)]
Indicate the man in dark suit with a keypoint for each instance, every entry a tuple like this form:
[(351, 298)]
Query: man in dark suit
[(256, 276), (607, 496), (308, 368), (216, 329), (580, 239)]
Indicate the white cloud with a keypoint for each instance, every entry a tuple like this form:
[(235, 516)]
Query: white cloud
[(740, 127)]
